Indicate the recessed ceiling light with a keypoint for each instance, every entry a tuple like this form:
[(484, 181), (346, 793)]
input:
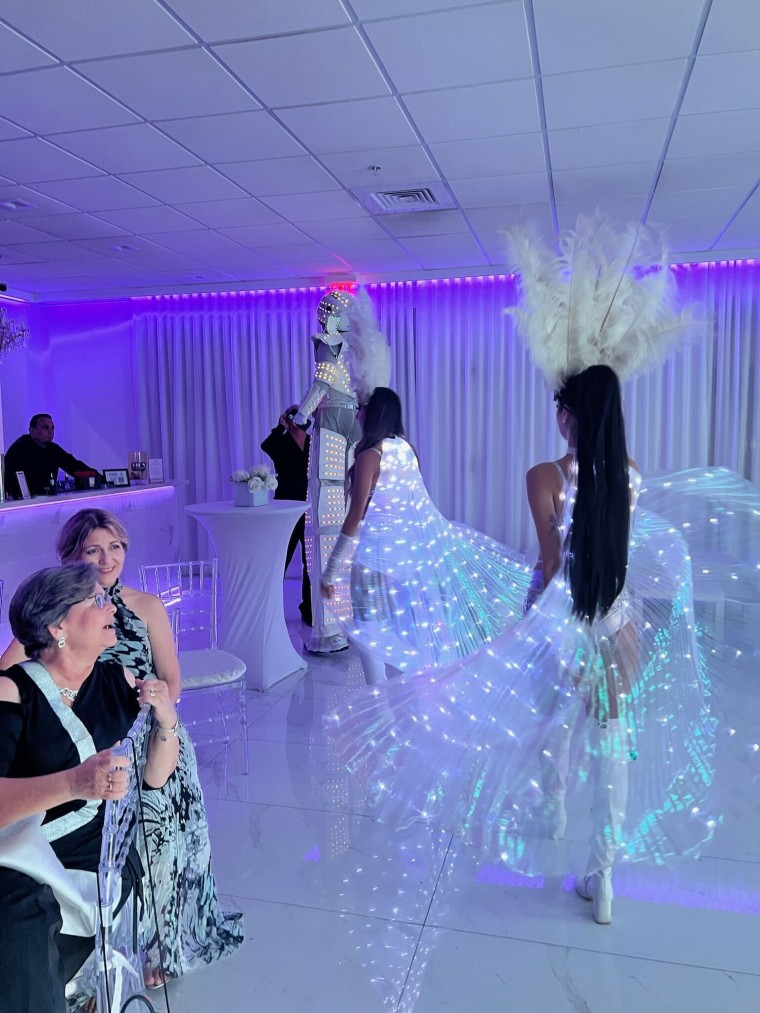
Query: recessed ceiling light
[(123, 247), (197, 277), (16, 205)]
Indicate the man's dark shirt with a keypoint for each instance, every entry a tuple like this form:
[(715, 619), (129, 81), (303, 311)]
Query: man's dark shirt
[(290, 464), (38, 464)]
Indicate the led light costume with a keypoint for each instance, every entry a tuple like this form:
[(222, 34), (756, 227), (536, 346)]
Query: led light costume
[(351, 358), (424, 591), (623, 707)]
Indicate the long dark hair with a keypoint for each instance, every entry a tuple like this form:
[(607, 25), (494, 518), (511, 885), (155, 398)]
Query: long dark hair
[(382, 419), (598, 551)]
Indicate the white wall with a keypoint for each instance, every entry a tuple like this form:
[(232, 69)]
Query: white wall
[(77, 366)]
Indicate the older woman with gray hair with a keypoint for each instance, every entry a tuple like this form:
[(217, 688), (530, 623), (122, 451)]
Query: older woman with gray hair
[(61, 713)]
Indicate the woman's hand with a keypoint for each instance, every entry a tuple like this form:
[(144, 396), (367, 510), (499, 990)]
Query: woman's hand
[(155, 693), (102, 776), (326, 590)]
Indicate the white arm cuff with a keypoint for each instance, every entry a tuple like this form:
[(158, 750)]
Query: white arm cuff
[(343, 547)]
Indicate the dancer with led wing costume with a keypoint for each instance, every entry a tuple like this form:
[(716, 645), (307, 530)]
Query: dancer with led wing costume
[(601, 693), (424, 591), (351, 359)]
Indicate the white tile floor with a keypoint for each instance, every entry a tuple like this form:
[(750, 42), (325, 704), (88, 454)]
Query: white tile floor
[(343, 917)]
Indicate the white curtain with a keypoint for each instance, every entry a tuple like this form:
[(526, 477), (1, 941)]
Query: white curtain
[(214, 372)]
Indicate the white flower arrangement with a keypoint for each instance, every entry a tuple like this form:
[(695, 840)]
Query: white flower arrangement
[(256, 478)]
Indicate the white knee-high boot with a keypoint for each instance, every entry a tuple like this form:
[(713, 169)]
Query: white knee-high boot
[(610, 783), (374, 668), (555, 764)]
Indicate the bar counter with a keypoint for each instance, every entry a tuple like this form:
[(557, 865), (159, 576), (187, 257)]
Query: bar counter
[(29, 530)]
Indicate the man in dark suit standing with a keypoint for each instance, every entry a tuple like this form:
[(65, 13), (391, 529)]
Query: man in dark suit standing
[(288, 446)]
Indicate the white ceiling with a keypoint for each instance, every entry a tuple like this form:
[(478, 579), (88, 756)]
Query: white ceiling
[(214, 144)]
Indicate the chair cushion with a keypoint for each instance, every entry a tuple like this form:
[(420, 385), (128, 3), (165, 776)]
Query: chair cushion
[(208, 667)]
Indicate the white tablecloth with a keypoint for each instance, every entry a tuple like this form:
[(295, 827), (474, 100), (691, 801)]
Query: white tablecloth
[(250, 544)]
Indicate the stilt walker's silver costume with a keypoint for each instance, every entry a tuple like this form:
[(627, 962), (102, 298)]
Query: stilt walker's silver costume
[(347, 351)]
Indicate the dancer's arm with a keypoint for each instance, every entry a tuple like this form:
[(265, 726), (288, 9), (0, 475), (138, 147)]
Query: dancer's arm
[(366, 470), (541, 482)]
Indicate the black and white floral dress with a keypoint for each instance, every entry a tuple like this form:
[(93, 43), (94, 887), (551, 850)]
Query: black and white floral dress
[(189, 927)]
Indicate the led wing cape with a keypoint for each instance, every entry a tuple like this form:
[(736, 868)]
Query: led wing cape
[(607, 298)]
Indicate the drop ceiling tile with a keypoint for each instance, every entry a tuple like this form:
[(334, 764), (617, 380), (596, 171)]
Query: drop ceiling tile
[(408, 166), (275, 176), (221, 214), (56, 252), (315, 207), (607, 144), (741, 169), (233, 261), (643, 91), (605, 181), (297, 69), (528, 188), (31, 160), (424, 223), (198, 182), (257, 271), (162, 86), (18, 54), (716, 133), (724, 201), (348, 230), (295, 253), (56, 99), (9, 131), (82, 29), (197, 274), (197, 244), (59, 269), (723, 82), (482, 110), (253, 236), (445, 251), (234, 137), (352, 250), (101, 193), (15, 232), (75, 227), (384, 266), (731, 29), (230, 19), (39, 204), (126, 248), (699, 233), (148, 220), (373, 10), (10, 255), (470, 159), (623, 209), (490, 223), (744, 230), (350, 126), (135, 148), (586, 34), (164, 261), (469, 46)]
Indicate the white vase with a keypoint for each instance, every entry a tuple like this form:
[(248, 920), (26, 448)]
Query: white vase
[(243, 497)]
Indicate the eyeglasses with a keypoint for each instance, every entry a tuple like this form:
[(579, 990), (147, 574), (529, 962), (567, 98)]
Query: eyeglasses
[(100, 600)]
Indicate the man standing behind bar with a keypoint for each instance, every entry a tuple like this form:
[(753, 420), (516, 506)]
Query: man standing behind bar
[(288, 446), (39, 459)]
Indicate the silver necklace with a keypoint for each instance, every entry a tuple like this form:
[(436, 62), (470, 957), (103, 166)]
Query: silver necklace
[(70, 694)]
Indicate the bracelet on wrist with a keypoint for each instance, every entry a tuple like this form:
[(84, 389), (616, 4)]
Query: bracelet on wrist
[(165, 734)]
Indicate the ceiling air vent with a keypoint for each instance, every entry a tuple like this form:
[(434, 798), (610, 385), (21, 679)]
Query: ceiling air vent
[(405, 200)]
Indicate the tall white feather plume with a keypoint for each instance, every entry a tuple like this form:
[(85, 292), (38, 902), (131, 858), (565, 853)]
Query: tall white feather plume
[(608, 298), (368, 352)]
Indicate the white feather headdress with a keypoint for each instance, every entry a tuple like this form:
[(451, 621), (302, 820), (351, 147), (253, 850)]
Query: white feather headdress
[(608, 298), (368, 352)]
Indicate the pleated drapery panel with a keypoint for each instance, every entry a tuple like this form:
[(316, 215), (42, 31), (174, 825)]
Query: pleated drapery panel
[(213, 373)]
